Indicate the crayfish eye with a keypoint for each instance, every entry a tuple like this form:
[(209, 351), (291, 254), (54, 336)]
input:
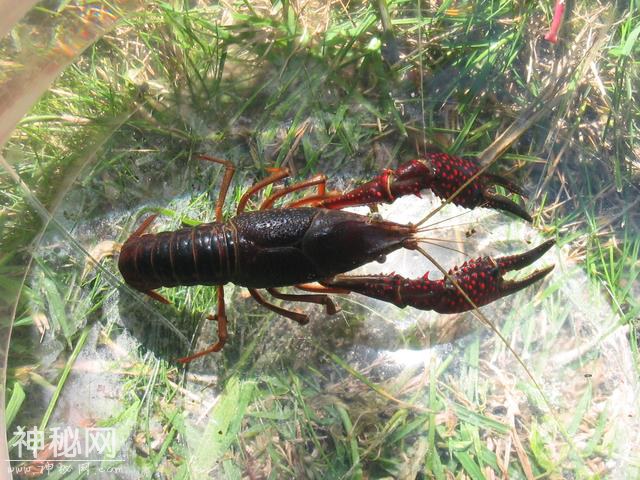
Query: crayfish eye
[(375, 217), (381, 259)]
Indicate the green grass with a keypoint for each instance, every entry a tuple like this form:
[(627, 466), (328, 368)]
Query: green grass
[(345, 90)]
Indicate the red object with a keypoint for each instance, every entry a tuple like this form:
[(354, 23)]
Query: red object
[(558, 14), (293, 245)]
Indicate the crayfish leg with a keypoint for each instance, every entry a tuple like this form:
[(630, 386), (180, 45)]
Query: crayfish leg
[(221, 318), (319, 181), (329, 304), (317, 288), (229, 171), (278, 174), (300, 318), (157, 296), (143, 226)]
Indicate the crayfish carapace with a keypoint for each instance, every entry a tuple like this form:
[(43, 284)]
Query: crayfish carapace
[(313, 240)]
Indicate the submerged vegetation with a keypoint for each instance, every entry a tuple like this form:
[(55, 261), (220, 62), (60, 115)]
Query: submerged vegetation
[(345, 89)]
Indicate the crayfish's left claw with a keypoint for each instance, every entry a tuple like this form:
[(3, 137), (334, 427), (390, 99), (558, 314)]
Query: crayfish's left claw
[(481, 279), (505, 182), (500, 202), (443, 174), (448, 175), (493, 200)]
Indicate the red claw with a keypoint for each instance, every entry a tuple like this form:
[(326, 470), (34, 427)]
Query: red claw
[(441, 173), (481, 279)]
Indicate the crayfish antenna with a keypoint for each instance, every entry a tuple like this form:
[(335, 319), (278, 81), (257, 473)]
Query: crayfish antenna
[(441, 242)]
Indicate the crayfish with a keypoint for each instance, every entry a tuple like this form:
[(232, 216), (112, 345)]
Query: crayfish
[(310, 244)]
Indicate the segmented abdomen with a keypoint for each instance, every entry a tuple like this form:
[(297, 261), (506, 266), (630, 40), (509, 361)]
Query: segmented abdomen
[(261, 249), (203, 255)]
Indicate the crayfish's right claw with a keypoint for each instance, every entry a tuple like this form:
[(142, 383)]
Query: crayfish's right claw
[(481, 279), (518, 262)]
